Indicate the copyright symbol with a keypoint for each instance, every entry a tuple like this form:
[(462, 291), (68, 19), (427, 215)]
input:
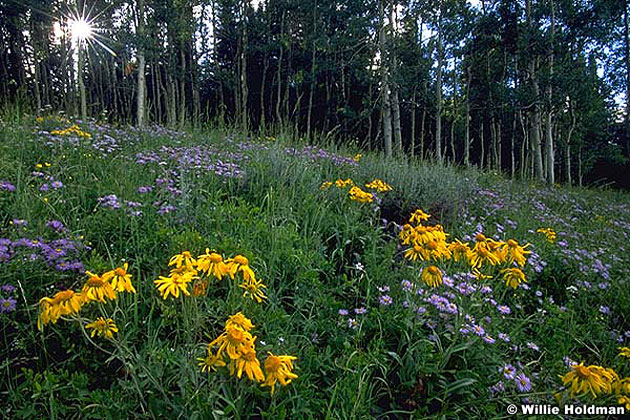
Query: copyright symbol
[(512, 409)]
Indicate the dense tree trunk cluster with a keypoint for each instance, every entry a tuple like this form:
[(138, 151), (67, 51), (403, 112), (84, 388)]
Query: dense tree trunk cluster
[(526, 87)]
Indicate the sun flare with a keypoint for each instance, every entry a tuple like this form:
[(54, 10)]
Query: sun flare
[(81, 30)]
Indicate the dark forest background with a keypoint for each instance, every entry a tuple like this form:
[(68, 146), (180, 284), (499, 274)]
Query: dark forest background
[(534, 89)]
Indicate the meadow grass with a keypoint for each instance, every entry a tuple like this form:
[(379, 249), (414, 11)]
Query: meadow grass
[(371, 339)]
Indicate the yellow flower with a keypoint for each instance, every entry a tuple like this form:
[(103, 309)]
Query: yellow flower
[(593, 379), (343, 183), (97, 288), (484, 251), (357, 194), (624, 351), (432, 276), (102, 326), (513, 277), (325, 185), (185, 258), (66, 302), (231, 341), (173, 285), (622, 386), (253, 288), (212, 263), (247, 362), (624, 400), (549, 234), (240, 321), (211, 362), (479, 275), (199, 287), (415, 252), (461, 251), (379, 186), (240, 263), (279, 369), (515, 253), (419, 216), (357, 157), (120, 279)]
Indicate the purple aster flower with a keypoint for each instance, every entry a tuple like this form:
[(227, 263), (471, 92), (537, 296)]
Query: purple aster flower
[(498, 388), (509, 371), (385, 300), (7, 305), (489, 339), (19, 222), (360, 311), (421, 310), (7, 186), (406, 285), (383, 289), (145, 189), (532, 346), (56, 184), (523, 383), (478, 329), (504, 337), (167, 208), (44, 188), (505, 310), (604, 310), (343, 312), (7, 288), (56, 225)]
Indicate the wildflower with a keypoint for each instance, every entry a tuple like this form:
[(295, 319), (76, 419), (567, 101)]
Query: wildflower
[(240, 321), (253, 288), (509, 371), (385, 300), (343, 183), (505, 310), (513, 277), (97, 288), (210, 362), (514, 253), (7, 305), (478, 330), (66, 302), (549, 233), (279, 369), (173, 285), (247, 362), (120, 279), (479, 275), (240, 263), (379, 186), (604, 309), (593, 379), (231, 341), (56, 225), (185, 258), (624, 351), (360, 311), (357, 194), (357, 157), (199, 287), (343, 312), (489, 339), (532, 346), (432, 276), (523, 383), (419, 216), (102, 326), (212, 263), (485, 251), (460, 250), (7, 186), (624, 400), (352, 323), (7, 288), (325, 185)]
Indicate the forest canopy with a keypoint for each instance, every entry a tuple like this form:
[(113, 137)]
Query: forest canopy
[(534, 89)]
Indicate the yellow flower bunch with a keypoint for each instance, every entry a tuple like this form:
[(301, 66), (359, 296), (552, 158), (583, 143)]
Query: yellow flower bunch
[(428, 243), (72, 130), (379, 186), (549, 233), (624, 351), (590, 379), (343, 183), (357, 194), (96, 288), (237, 342), (186, 269)]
